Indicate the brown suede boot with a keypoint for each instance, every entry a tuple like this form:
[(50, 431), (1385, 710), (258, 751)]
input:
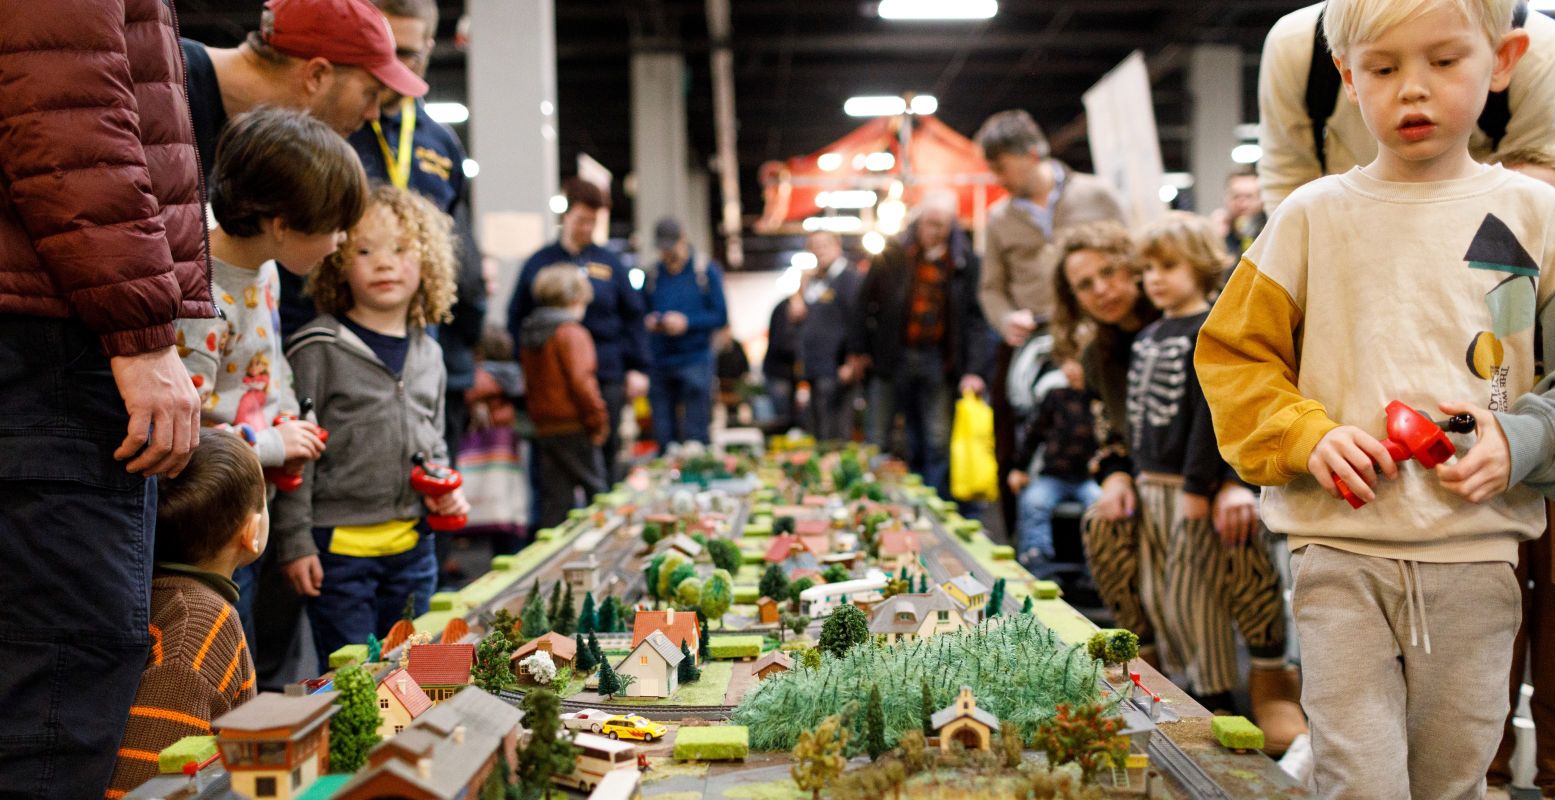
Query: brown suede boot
[(1275, 695)]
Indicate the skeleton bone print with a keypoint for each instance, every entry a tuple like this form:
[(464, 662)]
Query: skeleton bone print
[(1157, 380)]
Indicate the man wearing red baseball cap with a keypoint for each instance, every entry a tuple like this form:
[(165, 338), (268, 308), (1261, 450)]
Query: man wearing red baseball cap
[(330, 58)]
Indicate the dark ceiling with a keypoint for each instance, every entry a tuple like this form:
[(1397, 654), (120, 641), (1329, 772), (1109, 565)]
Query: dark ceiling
[(796, 61)]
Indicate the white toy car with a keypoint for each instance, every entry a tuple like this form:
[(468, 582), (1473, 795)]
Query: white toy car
[(589, 719)]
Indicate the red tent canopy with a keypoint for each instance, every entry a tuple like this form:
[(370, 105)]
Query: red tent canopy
[(937, 158)]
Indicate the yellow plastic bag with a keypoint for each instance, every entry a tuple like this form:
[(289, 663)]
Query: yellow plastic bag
[(974, 471)]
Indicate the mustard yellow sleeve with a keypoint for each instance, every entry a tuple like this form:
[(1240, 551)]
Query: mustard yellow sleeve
[(1246, 360)]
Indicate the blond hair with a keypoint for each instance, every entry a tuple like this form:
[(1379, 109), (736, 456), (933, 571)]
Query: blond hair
[(1189, 238), (562, 285), (1525, 157), (1347, 23), (424, 231)]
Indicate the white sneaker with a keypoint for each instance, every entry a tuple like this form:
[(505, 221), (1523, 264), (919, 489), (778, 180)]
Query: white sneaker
[(1297, 761)]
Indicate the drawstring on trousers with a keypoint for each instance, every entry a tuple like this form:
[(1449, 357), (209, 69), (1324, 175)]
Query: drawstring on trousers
[(1414, 603)]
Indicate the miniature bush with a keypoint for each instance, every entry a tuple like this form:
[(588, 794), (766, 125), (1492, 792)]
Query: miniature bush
[(774, 583), (688, 593), (493, 672), (734, 646), (1236, 733), (1113, 646), (353, 730), (725, 554), (717, 596), (1046, 590), (348, 655), (541, 668), (712, 743), (190, 748), (844, 628), (1085, 736)]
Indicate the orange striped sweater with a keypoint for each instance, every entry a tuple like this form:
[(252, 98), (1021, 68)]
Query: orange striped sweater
[(199, 668)]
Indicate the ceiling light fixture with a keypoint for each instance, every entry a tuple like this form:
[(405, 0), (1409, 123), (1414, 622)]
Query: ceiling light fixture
[(937, 9), (1246, 153), (849, 199), (874, 106), (449, 113), (833, 224), (829, 162)]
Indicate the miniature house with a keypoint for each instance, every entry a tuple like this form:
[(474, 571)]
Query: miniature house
[(970, 593), (653, 663), (400, 701), (479, 711), (772, 663), (783, 547), (681, 543), (963, 722), (276, 746), (898, 551), (425, 764), (562, 649), (677, 627), (581, 576), (441, 669), (768, 610), (905, 617)]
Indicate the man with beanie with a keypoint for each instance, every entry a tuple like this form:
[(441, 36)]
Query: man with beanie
[(685, 300)]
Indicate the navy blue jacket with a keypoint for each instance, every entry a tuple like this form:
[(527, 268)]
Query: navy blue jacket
[(704, 309), (614, 318), (823, 336)]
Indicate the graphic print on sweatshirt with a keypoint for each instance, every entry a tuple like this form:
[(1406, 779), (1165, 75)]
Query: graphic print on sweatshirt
[(1513, 303), (1157, 381)]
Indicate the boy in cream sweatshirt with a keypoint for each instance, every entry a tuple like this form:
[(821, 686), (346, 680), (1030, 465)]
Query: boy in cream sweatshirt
[(1422, 277)]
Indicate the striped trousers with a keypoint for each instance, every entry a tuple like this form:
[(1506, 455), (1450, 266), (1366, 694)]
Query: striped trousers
[(1171, 581)]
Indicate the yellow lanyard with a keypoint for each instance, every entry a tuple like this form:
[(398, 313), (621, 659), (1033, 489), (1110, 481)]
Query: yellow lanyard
[(399, 168)]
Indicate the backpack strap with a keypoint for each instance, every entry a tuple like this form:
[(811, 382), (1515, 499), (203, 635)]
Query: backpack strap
[(1323, 83)]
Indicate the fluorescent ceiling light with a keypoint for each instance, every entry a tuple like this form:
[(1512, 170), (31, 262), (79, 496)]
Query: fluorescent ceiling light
[(1246, 153), (1178, 180), (874, 106), (804, 259), (937, 9), (636, 276), (833, 224), (879, 162), (873, 243), (448, 113), (829, 162), (924, 104), (861, 198)]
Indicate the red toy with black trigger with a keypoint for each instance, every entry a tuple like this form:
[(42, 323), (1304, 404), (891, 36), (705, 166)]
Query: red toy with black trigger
[(435, 480), (1412, 434), (284, 479)]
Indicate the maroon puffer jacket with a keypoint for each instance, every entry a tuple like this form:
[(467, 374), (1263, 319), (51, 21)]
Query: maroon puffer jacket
[(101, 211)]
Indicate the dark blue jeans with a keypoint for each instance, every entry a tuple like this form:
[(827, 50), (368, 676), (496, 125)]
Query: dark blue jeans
[(75, 563), (364, 596), (682, 400)]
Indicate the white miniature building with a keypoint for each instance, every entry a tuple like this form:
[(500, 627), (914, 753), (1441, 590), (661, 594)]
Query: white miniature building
[(654, 664)]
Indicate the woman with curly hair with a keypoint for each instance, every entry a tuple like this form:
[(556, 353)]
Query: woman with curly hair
[(351, 537)]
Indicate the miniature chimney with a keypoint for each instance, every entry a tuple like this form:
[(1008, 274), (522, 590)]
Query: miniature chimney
[(669, 617), (459, 734), (401, 683), (424, 768)]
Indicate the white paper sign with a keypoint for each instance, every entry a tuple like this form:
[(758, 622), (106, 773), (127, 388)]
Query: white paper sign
[(1125, 150)]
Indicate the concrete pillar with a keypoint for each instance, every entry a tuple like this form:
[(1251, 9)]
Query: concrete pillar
[(659, 146), (1215, 109), (513, 134)]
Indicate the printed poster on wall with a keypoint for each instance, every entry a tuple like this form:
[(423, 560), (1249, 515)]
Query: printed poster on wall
[(1125, 149)]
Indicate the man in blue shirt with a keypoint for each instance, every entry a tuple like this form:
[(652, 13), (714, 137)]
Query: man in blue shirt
[(614, 318), (685, 308)]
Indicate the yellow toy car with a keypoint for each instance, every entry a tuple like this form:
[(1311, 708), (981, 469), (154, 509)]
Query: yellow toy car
[(632, 726)]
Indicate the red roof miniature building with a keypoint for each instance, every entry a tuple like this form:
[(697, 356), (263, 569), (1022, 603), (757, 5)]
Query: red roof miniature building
[(402, 687), (563, 649), (811, 527), (773, 662), (677, 627), (441, 669), (782, 547), (816, 500), (896, 543), (816, 544)]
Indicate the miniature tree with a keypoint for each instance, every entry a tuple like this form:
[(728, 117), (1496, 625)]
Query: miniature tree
[(1083, 736), (681, 574), (774, 584), (651, 575), (843, 629), (667, 577), (874, 726), (415, 638), (374, 649), (896, 586), (540, 668), (534, 593), (566, 622), (704, 651), (810, 658), (492, 671), (1113, 646), (796, 623), (818, 758), (688, 593), (588, 618), (535, 623), (553, 606), (836, 573), (599, 655), (607, 616), (687, 672), (547, 752), (495, 786), (995, 600), (913, 747), (717, 596), (927, 711), (796, 589), (1028, 606), (725, 554), (584, 662), (354, 728), (923, 583), (1010, 744), (504, 621), (652, 533)]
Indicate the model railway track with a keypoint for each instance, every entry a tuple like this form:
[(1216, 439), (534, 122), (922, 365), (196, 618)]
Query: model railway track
[(646, 709)]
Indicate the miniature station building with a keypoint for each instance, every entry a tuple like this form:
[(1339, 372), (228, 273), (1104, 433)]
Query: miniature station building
[(962, 721), (400, 702), (441, 670), (970, 593), (773, 663), (276, 746), (562, 650), (654, 662), (677, 626), (581, 576), (908, 616)]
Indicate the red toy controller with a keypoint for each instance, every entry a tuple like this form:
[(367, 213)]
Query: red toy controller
[(285, 480), (434, 480), (1412, 434)]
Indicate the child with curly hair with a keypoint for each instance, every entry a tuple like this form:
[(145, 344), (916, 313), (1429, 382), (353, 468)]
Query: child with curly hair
[(350, 537)]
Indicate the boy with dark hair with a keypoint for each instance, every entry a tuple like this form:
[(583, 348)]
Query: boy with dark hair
[(211, 520)]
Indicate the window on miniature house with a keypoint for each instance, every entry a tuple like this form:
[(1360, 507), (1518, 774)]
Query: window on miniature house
[(296, 778), (643, 660), (383, 702), (943, 616), (264, 787), (399, 729), (271, 754)]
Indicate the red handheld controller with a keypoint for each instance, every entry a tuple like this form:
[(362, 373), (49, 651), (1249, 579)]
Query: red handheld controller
[(436, 480), (1412, 434), (285, 480)]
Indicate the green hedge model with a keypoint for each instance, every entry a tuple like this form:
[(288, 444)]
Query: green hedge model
[(348, 655), (735, 646), (181, 752), (713, 743), (1237, 733)]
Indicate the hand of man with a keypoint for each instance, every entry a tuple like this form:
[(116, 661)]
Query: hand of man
[(306, 575), (1117, 498), (1485, 470), (973, 384), (1194, 506), (674, 323), (1017, 480), (636, 384), (164, 410), (1236, 514), (1018, 327)]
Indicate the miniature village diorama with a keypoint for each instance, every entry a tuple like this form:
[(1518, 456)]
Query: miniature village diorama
[(788, 624)]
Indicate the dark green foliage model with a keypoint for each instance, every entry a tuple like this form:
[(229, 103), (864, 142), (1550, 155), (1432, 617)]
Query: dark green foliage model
[(923, 583), (652, 533), (774, 583), (1026, 607), (374, 649), (725, 554), (791, 622), (995, 600), (874, 726), (836, 573), (566, 622), (717, 596), (608, 616), (1113, 646), (782, 525), (546, 754), (492, 671), (504, 621), (553, 606), (795, 589), (846, 627), (599, 655), (609, 682), (588, 618), (495, 788), (703, 653), (687, 672), (534, 622), (534, 594), (927, 712), (354, 728), (584, 662), (681, 573), (651, 577)]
